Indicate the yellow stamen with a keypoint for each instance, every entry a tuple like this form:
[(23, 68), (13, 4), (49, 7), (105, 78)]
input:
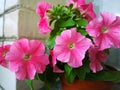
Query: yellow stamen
[(4, 53), (71, 45), (104, 30), (27, 56)]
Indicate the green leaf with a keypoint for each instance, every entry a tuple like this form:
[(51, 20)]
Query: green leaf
[(70, 78), (66, 23), (51, 42), (82, 71), (68, 69), (82, 31), (30, 84), (49, 77), (107, 51), (69, 74), (47, 50), (113, 76), (81, 22), (36, 77)]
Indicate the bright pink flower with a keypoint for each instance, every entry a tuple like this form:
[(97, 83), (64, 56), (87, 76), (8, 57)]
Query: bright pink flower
[(96, 57), (43, 26), (26, 58), (85, 9), (71, 47), (54, 62), (76, 3), (42, 8), (106, 31), (4, 49)]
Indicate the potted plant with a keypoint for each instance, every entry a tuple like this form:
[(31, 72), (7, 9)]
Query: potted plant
[(76, 50)]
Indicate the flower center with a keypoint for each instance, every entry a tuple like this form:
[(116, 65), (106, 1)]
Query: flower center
[(27, 56), (104, 30), (4, 53), (71, 45)]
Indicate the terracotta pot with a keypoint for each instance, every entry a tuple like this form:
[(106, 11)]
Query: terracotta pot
[(86, 85)]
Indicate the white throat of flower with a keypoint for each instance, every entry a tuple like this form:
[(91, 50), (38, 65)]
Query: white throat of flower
[(104, 30)]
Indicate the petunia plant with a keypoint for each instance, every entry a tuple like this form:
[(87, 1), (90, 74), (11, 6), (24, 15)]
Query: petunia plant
[(77, 48)]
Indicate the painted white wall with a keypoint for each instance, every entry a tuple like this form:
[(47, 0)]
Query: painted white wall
[(111, 6), (7, 79)]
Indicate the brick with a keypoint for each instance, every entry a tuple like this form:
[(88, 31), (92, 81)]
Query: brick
[(33, 3), (56, 2), (28, 25)]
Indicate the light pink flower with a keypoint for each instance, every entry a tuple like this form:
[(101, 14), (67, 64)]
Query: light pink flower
[(43, 26), (4, 49), (54, 62), (96, 57), (71, 47), (42, 8), (106, 31), (27, 58), (85, 9)]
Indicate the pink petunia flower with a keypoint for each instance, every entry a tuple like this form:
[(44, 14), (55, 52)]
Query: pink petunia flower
[(4, 49), (54, 62), (42, 8), (71, 47), (106, 31), (43, 26), (76, 3), (27, 58), (85, 9), (96, 57)]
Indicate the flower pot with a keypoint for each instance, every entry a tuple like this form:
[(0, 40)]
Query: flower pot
[(86, 85)]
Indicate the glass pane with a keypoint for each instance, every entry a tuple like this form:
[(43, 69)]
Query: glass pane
[(1, 6), (1, 26), (11, 24), (10, 3)]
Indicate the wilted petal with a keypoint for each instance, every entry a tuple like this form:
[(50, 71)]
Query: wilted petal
[(96, 57), (95, 66), (57, 70), (43, 26)]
